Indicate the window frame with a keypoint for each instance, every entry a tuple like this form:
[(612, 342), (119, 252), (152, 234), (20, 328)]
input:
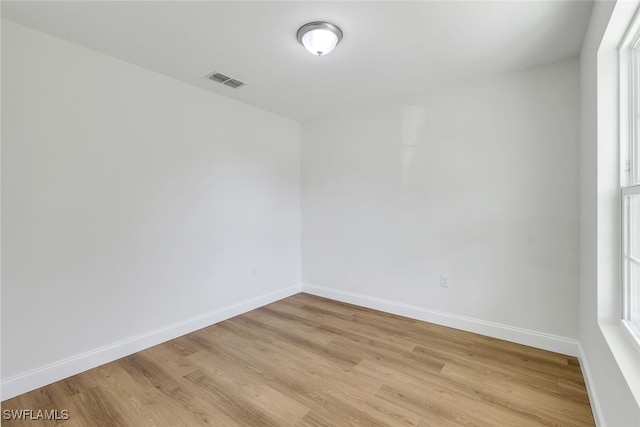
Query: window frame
[(629, 92)]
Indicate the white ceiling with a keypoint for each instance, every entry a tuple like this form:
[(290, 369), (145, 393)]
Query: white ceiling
[(390, 50)]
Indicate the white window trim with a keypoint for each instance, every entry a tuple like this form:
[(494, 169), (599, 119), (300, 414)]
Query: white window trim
[(610, 174), (629, 66)]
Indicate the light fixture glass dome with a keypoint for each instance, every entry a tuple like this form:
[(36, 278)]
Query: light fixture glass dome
[(319, 38)]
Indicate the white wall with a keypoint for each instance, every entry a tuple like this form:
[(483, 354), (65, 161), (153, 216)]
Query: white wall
[(132, 202), (478, 182), (599, 225)]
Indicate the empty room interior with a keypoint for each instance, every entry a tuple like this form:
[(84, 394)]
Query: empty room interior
[(309, 213)]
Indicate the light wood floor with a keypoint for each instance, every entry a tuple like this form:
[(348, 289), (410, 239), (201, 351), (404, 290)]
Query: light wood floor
[(308, 361)]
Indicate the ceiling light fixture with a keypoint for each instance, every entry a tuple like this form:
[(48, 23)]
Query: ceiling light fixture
[(319, 37)]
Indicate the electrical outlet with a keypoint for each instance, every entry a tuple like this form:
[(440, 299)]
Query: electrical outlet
[(444, 281), (254, 271)]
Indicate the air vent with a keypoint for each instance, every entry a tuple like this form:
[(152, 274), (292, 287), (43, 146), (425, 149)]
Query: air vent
[(233, 83), (225, 80)]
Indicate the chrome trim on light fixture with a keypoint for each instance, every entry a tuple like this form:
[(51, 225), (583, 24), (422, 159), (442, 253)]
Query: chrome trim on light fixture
[(319, 25)]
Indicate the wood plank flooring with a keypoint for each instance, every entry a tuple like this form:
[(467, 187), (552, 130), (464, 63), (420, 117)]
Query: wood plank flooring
[(309, 361)]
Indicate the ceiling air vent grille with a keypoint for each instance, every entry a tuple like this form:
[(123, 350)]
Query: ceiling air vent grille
[(225, 80)]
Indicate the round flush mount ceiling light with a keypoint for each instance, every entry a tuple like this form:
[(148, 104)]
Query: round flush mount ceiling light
[(319, 37)]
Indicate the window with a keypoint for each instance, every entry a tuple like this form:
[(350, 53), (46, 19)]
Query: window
[(630, 151)]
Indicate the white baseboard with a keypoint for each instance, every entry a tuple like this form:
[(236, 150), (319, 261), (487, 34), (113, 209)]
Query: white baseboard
[(596, 410), (65, 368), (509, 333)]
